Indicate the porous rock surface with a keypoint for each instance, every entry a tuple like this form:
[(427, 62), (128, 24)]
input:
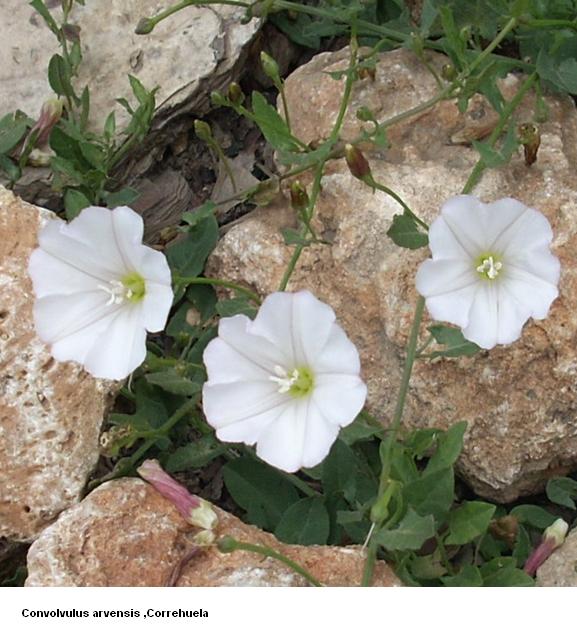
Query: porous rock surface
[(520, 401), (152, 539), (186, 55), (50, 413), (560, 569)]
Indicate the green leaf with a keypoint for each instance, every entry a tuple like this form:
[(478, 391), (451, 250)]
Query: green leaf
[(294, 237), (339, 471), (58, 77), (203, 298), (232, 307), (10, 168), (11, 132), (454, 340), (469, 576), (206, 210), (260, 490), (412, 532), (508, 576), (561, 74), (195, 454), (150, 411), (305, 523), (432, 494), (468, 521), (450, 444), (93, 154), (273, 127), (138, 89), (173, 382), (522, 547), (125, 196), (562, 491), (42, 9), (534, 516), (405, 232), (74, 202), (110, 126), (189, 254), (361, 429)]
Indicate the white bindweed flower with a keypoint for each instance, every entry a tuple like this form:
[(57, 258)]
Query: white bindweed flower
[(287, 381), (491, 270), (98, 289)]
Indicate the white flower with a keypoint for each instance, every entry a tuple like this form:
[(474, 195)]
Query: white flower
[(287, 381), (98, 289), (491, 269)]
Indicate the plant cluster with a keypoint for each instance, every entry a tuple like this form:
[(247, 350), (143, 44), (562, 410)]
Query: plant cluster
[(390, 490)]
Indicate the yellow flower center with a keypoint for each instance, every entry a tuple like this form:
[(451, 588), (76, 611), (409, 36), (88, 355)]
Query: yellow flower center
[(131, 287), (298, 383)]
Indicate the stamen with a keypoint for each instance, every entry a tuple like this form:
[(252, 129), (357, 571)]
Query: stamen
[(489, 267), (116, 291), (283, 379)]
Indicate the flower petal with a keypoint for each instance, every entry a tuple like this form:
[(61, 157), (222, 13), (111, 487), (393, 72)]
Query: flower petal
[(534, 293), (249, 430), (483, 327), (119, 349), (319, 436), (459, 230), (512, 315), (250, 349), (281, 444), (87, 243), (515, 226), (453, 307), (226, 364), (339, 398), (440, 276), (298, 323), (52, 276), (225, 404), (58, 316), (127, 230), (156, 306), (152, 265), (539, 262), (339, 355)]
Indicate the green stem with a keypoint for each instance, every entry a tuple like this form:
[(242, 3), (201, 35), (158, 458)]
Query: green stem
[(263, 550), (316, 187), (404, 388), (212, 281), (369, 567), (400, 201), (130, 462), (511, 24), (153, 21), (545, 23), (503, 120)]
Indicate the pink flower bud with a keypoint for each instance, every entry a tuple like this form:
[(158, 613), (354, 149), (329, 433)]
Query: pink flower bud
[(197, 511), (50, 113), (553, 537)]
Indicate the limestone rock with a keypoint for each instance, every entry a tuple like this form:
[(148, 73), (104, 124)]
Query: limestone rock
[(186, 55), (152, 539), (560, 569), (520, 400), (50, 413)]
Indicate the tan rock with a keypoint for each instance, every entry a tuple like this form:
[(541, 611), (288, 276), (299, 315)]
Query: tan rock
[(519, 401), (195, 46), (560, 569), (152, 539), (50, 413)]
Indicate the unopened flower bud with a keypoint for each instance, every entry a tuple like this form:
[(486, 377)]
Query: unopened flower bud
[(226, 544), (270, 66), (50, 114), (369, 73), (217, 99), (448, 72), (197, 511), (357, 163), (203, 130), (553, 537), (299, 197), (530, 136), (71, 32), (235, 94), (365, 114), (144, 26), (204, 538)]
